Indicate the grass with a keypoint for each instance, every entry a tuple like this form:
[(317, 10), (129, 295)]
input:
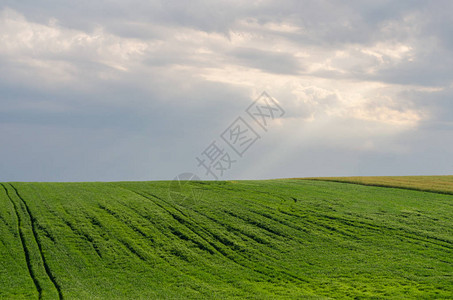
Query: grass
[(270, 239), (436, 184)]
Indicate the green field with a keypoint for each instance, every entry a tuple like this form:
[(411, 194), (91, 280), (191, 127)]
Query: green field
[(437, 184), (274, 239)]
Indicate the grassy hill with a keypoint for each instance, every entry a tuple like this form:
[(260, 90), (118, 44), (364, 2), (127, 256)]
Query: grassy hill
[(235, 239), (436, 184)]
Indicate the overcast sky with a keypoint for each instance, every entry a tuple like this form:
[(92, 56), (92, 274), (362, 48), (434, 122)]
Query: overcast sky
[(137, 90)]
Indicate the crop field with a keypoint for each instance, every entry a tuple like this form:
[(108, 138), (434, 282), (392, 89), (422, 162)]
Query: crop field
[(437, 184), (270, 239)]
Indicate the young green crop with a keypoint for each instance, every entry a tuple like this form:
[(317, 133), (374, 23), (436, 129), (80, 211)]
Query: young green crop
[(437, 184), (244, 239)]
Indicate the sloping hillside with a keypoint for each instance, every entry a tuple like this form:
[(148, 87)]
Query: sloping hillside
[(436, 184), (236, 239)]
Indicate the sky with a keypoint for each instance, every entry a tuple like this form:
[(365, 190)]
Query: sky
[(147, 90)]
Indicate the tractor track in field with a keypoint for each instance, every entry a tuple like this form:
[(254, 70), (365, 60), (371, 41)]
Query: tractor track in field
[(126, 222), (24, 245), (374, 227), (80, 233), (383, 185), (35, 236), (190, 228), (222, 240)]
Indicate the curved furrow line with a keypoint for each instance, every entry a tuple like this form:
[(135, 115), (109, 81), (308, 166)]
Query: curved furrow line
[(184, 223), (355, 223), (126, 222), (229, 227), (137, 252), (174, 231), (78, 232), (35, 235), (257, 224), (151, 242), (24, 245), (397, 230), (268, 271), (202, 246), (82, 234), (280, 220), (258, 240), (383, 185), (7, 225)]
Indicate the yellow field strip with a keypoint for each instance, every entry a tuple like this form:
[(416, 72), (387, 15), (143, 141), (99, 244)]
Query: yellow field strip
[(437, 184)]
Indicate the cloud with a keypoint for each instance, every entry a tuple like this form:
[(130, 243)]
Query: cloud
[(273, 62), (117, 78), (58, 55)]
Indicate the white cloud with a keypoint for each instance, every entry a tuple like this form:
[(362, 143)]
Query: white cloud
[(56, 54), (355, 76)]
